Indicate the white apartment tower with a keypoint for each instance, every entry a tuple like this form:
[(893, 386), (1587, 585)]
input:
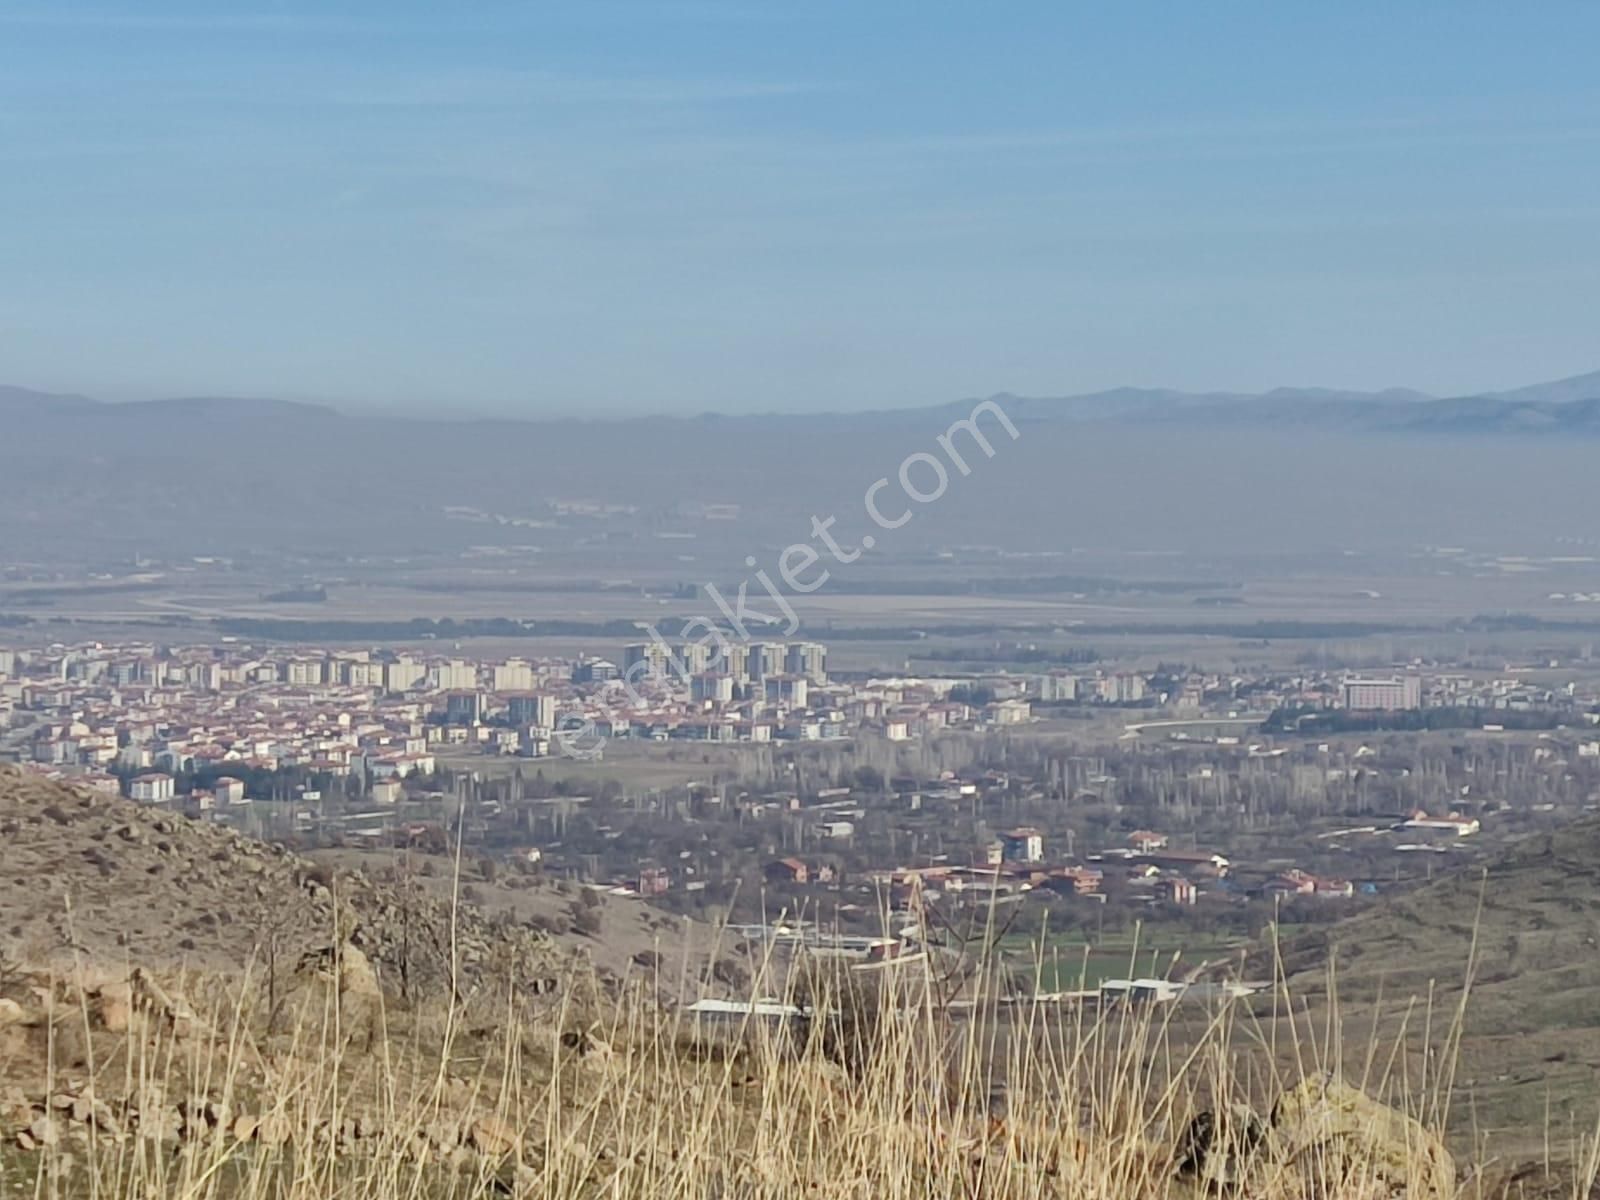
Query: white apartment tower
[(766, 658), (642, 660), (809, 659), (514, 675)]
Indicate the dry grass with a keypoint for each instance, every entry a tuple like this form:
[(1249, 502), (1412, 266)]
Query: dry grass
[(885, 1091), (888, 1096)]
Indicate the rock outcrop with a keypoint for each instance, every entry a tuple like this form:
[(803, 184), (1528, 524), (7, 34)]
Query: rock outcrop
[(1324, 1140)]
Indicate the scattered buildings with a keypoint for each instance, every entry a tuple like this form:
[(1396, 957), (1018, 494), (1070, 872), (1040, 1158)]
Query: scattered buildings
[(157, 788), (1024, 845)]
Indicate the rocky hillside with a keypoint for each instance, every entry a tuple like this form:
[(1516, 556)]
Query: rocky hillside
[(1525, 934), (91, 877), (170, 980)]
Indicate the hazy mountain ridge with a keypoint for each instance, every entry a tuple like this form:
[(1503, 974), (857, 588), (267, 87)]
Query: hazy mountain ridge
[(1569, 405), (20, 401), (1564, 405), (209, 476)]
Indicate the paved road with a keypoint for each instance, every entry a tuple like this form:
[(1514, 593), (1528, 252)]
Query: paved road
[(1196, 722)]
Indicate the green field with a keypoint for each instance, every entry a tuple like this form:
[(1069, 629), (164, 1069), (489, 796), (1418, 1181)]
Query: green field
[(1071, 961)]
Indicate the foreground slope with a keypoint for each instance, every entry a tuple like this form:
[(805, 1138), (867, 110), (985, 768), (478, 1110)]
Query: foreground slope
[(91, 877), (487, 1088), (1521, 940)]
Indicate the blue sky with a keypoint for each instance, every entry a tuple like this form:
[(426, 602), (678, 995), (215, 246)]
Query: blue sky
[(603, 207)]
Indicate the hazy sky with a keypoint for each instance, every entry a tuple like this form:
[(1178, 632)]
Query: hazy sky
[(602, 207)]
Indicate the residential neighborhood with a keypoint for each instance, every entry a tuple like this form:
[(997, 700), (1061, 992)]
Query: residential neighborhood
[(1112, 791)]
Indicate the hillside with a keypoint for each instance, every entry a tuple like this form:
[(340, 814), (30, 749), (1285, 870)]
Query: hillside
[(1530, 926), (111, 882)]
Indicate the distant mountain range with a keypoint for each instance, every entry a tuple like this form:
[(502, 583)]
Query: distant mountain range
[(17, 402), (1565, 406), (88, 481), (21, 401)]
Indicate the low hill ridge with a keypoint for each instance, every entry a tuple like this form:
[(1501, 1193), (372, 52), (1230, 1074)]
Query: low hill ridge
[(1523, 934)]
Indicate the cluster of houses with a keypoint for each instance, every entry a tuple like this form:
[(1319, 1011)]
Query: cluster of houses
[(1146, 869)]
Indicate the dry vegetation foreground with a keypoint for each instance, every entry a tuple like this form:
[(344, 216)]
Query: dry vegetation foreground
[(136, 1087), (369, 1043)]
